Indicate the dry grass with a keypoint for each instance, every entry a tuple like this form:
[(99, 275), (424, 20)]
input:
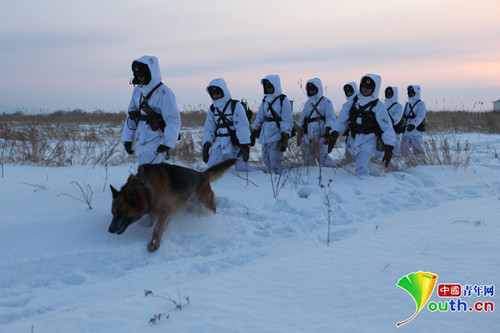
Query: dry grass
[(62, 138), (193, 119), (441, 150), (93, 138), (463, 121)]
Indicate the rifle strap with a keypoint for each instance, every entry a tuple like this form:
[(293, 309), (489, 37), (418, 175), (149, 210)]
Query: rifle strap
[(390, 107), (148, 96)]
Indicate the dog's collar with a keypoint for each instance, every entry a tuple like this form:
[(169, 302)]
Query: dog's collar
[(145, 191)]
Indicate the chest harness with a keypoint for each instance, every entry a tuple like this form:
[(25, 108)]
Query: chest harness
[(225, 121), (411, 115), (311, 118), (152, 118), (369, 122), (275, 117)]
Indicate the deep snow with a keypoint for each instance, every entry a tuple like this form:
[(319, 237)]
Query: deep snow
[(261, 264)]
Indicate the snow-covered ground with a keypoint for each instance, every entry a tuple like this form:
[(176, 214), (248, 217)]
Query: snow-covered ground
[(261, 264)]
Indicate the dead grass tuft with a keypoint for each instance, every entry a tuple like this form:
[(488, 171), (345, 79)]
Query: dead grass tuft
[(79, 137)]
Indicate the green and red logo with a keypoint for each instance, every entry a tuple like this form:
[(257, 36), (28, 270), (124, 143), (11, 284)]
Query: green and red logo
[(420, 286)]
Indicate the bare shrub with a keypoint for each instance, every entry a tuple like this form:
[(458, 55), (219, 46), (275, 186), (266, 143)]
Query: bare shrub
[(186, 150), (193, 118), (166, 314), (85, 192), (441, 150), (328, 210)]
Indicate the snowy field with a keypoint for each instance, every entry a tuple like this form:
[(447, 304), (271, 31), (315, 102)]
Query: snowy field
[(261, 264)]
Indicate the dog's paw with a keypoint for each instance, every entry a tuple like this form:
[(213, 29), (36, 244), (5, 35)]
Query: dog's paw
[(153, 245)]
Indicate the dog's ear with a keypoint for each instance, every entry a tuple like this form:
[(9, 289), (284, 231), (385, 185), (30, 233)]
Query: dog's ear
[(114, 191)]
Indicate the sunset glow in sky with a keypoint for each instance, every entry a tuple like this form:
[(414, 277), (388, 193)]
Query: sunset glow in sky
[(77, 54)]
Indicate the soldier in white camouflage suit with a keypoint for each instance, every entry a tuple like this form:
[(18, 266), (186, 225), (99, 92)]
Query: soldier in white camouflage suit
[(153, 122)]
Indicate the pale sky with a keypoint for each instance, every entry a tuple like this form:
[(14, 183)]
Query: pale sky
[(61, 54)]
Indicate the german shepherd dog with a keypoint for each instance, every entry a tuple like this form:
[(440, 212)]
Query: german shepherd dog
[(161, 190)]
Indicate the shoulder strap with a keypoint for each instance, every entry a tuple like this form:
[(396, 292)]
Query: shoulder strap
[(390, 107), (282, 98), (148, 96), (270, 105), (411, 114), (276, 118), (144, 105), (223, 112), (223, 121), (315, 108), (233, 104), (370, 105)]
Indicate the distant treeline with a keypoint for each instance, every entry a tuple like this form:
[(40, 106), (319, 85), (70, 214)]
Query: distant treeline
[(457, 121)]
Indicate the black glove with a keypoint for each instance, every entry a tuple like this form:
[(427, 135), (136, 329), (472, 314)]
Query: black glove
[(332, 140), (206, 149), (305, 126), (253, 135), (410, 127), (162, 148), (283, 143), (387, 155), (128, 147), (134, 115), (245, 152), (327, 135)]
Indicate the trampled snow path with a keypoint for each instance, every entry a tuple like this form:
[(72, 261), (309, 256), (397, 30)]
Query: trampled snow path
[(260, 264)]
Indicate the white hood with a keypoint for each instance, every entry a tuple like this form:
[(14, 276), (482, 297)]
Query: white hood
[(394, 99), (354, 87), (317, 83), (415, 98), (154, 68), (220, 103), (276, 82), (363, 100)]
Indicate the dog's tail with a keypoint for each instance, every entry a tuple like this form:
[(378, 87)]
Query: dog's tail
[(215, 172)]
